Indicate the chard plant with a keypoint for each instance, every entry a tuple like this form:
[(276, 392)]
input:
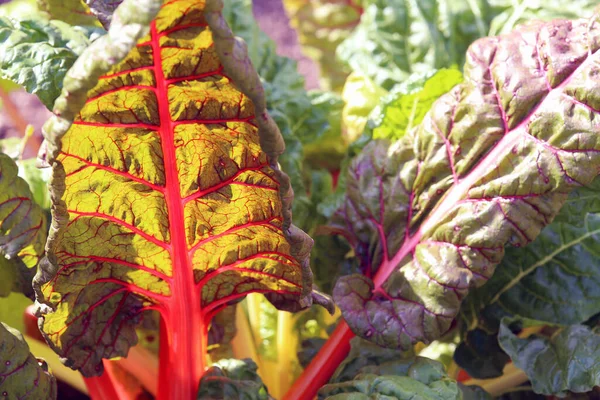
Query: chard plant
[(443, 189)]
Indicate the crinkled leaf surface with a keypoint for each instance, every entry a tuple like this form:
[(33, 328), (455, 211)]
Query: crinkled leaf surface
[(37, 54), (490, 165), (22, 231), (172, 203), (554, 279), (399, 379), (364, 354), (567, 362), (232, 379), (388, 117), (322, 25), (23, 376)]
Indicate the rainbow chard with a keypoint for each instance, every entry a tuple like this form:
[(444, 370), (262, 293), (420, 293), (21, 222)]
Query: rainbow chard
[(490, 165), (167, 196)]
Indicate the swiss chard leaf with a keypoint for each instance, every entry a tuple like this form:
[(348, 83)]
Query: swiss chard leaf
[(22, 231), (364, 354), (23, 376), (168, 193), (38, 53), (490, 165), (399, 379), (567, 362), (233, 379)]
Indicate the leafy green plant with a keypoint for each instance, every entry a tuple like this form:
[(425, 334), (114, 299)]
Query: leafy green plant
[(448, 210)]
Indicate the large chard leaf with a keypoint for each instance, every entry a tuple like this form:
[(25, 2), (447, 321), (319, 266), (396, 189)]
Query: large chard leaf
[(22, 231), (168, 195), (37, 54), (567, 362), (23, 377), (490, 165)]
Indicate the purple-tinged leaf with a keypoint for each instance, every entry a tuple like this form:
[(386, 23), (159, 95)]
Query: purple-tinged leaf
[(490, 165)]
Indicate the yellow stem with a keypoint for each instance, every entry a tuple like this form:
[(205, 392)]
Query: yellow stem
[(286, 350), (526, 332), (243, 344), (65, 374), (453, 370), (253, 300), (512, 376)]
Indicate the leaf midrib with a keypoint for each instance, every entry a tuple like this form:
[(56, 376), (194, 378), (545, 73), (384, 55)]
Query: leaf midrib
[(458, 192)]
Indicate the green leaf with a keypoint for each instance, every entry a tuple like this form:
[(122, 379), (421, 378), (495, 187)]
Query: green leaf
[(22, 231), (396, 38), (399, 379), (37, 54), (407, 105), (324, 148), (567, 362), (364, 354), (232, 379), (480, 355), (517, 13), (23, 376)]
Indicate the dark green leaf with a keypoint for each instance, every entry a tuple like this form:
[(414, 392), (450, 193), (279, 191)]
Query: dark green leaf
[(567, 362), (399, 379), (232, 379)]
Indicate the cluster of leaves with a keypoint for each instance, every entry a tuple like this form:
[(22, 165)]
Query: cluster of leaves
[(441, 166)]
